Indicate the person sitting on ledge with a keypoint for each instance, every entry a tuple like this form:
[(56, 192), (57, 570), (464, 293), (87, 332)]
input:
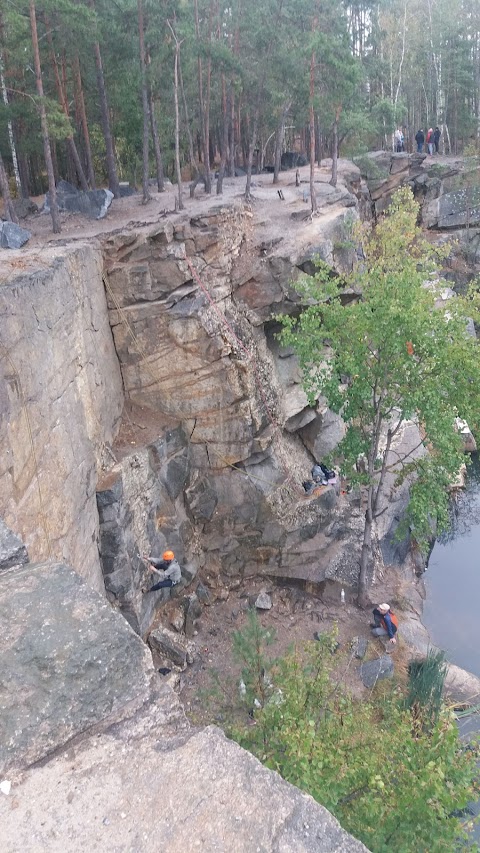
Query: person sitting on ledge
[(385, 624), (166, 567)]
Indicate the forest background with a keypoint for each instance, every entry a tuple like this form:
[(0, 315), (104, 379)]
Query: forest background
[(103, 91)]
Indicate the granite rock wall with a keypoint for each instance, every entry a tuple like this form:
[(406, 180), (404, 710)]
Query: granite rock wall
[(60, 403)]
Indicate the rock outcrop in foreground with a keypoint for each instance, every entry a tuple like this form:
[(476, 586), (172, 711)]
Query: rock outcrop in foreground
[(120, 769)]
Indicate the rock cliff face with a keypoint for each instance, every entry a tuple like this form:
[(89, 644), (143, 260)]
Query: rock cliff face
[(187, 336), (60, 401), (448, 189), (192, 307), (191, 303)]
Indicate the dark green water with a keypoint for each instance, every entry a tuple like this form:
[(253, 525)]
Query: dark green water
[(452, 607)]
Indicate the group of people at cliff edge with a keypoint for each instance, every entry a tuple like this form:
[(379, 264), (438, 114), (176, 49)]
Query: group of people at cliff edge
[(431, 140)]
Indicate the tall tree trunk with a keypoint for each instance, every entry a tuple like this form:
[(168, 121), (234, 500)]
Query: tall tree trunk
[(211, 157), (333, 179), (365, 553), (203, 123), (43, 122), (224, 147), (231, 149), (279, 137), (5, 191), (252, 141), (156, 143), (104, 112), (146, 113), (193, 163), (62, 97), (313, 195), (177, 120), (77, 76), (11, 138)]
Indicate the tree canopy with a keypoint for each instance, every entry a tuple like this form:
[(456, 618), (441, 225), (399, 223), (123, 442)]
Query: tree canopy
[(387, 358), (244, 78)]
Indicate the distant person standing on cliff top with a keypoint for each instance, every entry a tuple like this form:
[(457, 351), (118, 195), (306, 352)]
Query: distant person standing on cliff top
[(430, 140), (436, 138), (385, 623), (419, 139)]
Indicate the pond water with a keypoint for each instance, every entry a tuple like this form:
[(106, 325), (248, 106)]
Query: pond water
[(452, 607)]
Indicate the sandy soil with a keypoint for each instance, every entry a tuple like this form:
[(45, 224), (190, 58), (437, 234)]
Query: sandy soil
[(272, 216)]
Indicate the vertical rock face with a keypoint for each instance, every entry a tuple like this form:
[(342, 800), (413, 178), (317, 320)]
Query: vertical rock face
[(141, 510), (12, 549), (192, 306), (60, 402)]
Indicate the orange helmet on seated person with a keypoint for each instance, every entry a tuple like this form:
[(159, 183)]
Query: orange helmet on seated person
[(168, 555)]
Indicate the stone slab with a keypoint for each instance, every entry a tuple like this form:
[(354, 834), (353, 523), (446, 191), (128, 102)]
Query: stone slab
[(172, 646), (139, 787), (67, 661), (374, 670)]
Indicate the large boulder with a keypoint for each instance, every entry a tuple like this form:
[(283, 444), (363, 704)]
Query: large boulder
[(149, 784), (94, 203), (67, 661), (292, 160), (177, 649), (13, 236), (375, 670), (455, 209)]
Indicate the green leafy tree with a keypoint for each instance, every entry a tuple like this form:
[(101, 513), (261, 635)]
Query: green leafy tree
[(391, 785), (387, 358)]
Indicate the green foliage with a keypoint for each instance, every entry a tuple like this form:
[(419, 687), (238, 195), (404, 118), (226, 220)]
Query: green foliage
[(425, 685), (390, 357), (369, 168), (389, 784), (249, 650)]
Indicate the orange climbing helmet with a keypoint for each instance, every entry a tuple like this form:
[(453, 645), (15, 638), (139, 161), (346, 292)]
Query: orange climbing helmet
[(168, 555)]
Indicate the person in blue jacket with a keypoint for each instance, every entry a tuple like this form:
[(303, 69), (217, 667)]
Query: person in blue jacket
[(385, 623)]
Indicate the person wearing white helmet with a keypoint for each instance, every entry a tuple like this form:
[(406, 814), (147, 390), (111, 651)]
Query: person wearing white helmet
[(166, 567), (385, 623)]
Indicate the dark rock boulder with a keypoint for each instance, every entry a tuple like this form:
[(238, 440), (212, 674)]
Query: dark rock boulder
[(292, 160), (13, 236), (374, 670), (24, 207), (93, 203)]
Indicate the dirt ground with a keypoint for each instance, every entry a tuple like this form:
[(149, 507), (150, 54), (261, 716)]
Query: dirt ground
[(272, 216), (297, 614)]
